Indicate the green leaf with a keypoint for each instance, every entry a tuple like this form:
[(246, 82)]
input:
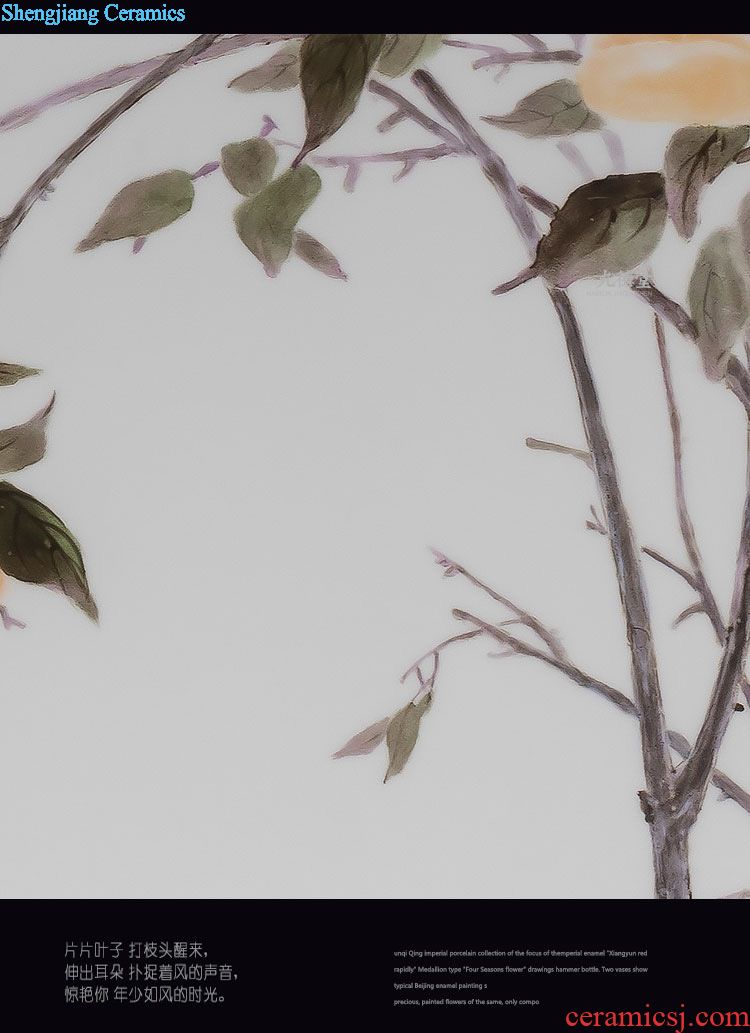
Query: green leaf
[(317, 255), (11, 374), (403, 730), (142, 207), (719, 298), (333, 72), (36, 547), (266, 222), (403, 50), (25, 444), (695, 157), (608, 226), (249, 165), (279, 72), (557, 109)]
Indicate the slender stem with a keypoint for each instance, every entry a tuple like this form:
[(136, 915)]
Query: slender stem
[(136, 93), (124, 74), (532, 42), (548, 637), (492, 164), (687, 528), (438, 649), (499, 56), (696, 773), (573, 155), (737, 377), (565, 450), (410, 110), (659, 558)]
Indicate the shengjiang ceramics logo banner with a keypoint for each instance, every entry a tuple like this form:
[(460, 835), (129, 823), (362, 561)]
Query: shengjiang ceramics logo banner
[(68, 14)]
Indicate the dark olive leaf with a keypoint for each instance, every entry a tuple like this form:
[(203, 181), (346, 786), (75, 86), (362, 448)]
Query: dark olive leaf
[(279, 72), (36, 547), (401, 51), (557, 109), (695, 156), (26, 444), (317, 255), (333, 72), (249, 165), (719, 298), (266, 222), (143, 207), (11, 374), (608, 226), (402, 734), (365, 741)]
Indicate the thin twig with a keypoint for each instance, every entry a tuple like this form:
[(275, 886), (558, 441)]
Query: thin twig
[(404, 108), (548, 637), (707, 598), (531, 41), (436, 650), (737, 377), (573, 155), (615, 149), (565, 450), (677, 741), (493, 166), (696, 773), (141, 89), (659, 558), (407, 109), (499, 56), (127, 73)]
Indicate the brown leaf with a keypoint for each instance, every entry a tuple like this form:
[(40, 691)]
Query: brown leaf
[(402, 734), (266, 223), (608, 226), (37, 547), (279, 72), (557, 109), (401, 51), (695, 157), (719, 298), (26, 444), (333, 72), (249, 165), (365, 741), (11, 374), (142, 207), (317, 255)]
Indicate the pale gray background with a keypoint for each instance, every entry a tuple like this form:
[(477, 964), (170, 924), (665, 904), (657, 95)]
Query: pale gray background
[(256, 469)]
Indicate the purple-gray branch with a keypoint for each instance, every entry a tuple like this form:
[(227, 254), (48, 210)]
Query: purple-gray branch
[(149, 82)]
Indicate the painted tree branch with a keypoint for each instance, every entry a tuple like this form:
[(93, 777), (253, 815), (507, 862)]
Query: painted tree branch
[(127, 73), (136, 93), (677, 742), (687, 529), (548, 637), (565, 450), (696, 774), (737, 377), (669, 846), (494, 55)]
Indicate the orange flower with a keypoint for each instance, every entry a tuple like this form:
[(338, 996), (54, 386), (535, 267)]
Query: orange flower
[(688, 78)]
